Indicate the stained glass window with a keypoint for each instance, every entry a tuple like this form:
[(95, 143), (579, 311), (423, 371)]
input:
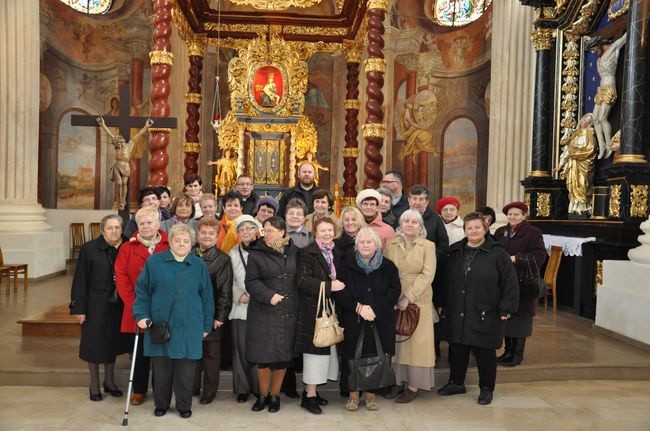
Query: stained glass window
[(93, 7), (456, 13)]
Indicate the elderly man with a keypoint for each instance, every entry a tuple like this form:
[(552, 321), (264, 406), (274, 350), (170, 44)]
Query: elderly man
[(303, 191), (368, 203), (147, 197), (394, 182), (244, 189)]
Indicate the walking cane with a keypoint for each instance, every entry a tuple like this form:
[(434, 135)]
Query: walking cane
[(125, 421)]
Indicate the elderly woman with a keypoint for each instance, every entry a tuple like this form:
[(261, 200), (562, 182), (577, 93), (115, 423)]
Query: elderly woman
[(351, 222), (147, 240), (175, 288), (385, 203), (232, 208), (369, 298), (316, 265), (294, 214), (322, 201), (244, 374), (220, 271), (182, 212), (266, 207), (479, 293), (448, 207), (272, 310), (95, 305), (415, 258), (525, 245)]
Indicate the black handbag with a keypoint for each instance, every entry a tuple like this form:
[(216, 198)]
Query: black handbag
[(370, 371), (533, 286)]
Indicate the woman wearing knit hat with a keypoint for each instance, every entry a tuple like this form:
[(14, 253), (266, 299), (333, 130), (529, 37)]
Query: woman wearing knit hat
[(266, 207), (448, 207)]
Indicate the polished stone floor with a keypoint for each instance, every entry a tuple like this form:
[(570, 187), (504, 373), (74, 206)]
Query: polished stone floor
[(573, 378)]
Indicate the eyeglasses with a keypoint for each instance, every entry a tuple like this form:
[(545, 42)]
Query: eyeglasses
[(246, 229), (369, 203)]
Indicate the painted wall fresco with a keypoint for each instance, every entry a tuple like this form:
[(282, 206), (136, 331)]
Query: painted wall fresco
[(460, 141)]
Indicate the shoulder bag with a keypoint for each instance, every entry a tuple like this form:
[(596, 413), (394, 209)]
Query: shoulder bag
[(370, 371), (327, 331), (406, 321), (532, 285)]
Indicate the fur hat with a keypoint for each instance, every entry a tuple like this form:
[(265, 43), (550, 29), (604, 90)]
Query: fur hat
[(522, 206), (446, 200), (368, 194)]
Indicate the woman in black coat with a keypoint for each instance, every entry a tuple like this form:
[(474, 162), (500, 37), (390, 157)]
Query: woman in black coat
[(369, 298), (479, 293), (272, 310), (97, 307), (317, 264), (525, 245)]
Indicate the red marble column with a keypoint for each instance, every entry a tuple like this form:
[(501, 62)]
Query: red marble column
[(352, 105), (374, 131), (192, 147), (161, 65)]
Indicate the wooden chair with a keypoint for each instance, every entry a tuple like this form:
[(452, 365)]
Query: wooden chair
[(77, 238), (94, 231), (15, 269), (550, 275), (6, 270)]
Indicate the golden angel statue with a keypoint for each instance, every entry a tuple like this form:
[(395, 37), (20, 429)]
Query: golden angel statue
[(226, 176), (120, 171), (577, 165)]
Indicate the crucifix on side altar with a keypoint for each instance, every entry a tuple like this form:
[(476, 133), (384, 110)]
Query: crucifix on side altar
[(124, 121)]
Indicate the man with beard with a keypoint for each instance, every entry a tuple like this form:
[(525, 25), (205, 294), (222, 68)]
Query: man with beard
[(394, 182), (303, 190), (368, 203)]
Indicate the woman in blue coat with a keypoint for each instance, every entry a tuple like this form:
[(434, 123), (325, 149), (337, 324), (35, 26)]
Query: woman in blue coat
[(175, 287)]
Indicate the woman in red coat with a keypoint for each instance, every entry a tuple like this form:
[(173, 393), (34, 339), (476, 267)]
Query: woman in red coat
[(525, 245), (148, 239)]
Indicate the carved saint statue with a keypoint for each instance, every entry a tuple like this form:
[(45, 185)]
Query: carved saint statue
[(606, 93), (417, 137), (120, 172), (309, 158), (577, 165), (226, 176)]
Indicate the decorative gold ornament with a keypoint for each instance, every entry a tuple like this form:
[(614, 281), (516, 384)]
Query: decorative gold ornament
[(352, 55), (639, 200), (197, 46), (560, 5), (539, 174), (160, 130), (161, 57), (374, 130), (542, 38), (351, 152), (306, 138), (612, 15), (570, 86), (527, 199), (276, 5), (191, 147), (375, 65), (352, 104), (193, 98), (615, 200), (229, 131), (599, 273), (319, 31), (587, 12), (378, 4), (349, 201), (260, 29), (544, 204), (339, 5), (629, 158)]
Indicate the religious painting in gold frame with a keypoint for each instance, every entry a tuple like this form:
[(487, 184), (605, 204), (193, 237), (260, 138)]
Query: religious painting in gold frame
[(267, 87)]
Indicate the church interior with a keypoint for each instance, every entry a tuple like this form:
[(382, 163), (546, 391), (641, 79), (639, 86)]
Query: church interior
[(546, 102)]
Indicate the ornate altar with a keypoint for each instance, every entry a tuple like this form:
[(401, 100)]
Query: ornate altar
[(265, 128)]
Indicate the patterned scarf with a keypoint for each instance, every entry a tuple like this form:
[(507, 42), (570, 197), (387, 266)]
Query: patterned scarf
[(279, 245), (370, 266), (150, 243), (326, 249), (227, 238)]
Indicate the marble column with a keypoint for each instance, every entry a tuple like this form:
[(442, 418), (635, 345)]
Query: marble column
[(634, 102), (25, 236), (352, 105), (511, 104), (542, 41)]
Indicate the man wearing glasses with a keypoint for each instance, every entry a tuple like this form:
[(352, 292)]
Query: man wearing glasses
[(393, 181), (244, 189)]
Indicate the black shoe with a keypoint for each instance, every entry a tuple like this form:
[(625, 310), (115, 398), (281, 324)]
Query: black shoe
[(114, 392), (292, 394), (394, 392), (505, 357), (242, 398), (452, 389), (513, 362), (207, 398), (321, 401), (485, 396), (196, 392), (185, 413), (95, 397), (274, 403), (159, 411), (260, 403), (311, 404)]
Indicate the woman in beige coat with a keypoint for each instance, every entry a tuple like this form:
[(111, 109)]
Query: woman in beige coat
[(415, 258)]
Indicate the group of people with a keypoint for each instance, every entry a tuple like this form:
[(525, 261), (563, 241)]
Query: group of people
[(259, 268)]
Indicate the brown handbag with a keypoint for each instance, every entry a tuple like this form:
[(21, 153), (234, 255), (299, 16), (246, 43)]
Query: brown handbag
[(407, 320)]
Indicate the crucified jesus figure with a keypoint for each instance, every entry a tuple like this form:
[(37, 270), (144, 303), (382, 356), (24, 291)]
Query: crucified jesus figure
[(120, 171)]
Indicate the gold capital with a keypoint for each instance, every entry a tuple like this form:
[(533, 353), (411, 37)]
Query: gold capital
[(539, 174), (375, 65), (378, 4), (352, 104), (351, 152), (197, 47), (160, 130), (374, 130), (542, 38), (161, 57), (191, 147), (193, 98)]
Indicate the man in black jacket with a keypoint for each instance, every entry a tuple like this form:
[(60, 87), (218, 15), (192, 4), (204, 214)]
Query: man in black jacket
[(248, 196), (303, 190), (394, 181)]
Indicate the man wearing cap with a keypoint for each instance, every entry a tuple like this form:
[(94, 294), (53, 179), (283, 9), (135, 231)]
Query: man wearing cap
[(419, 201), (368, 203), (394, 182), (244, 189), (303, 190), (448, 207)]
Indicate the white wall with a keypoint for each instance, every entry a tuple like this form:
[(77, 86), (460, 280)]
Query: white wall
[(60, 221)]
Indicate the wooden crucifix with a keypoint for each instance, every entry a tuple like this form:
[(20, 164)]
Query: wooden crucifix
[(124, 121)]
